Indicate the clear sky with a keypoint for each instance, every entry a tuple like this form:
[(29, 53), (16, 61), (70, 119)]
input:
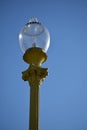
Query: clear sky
[(63, 95)]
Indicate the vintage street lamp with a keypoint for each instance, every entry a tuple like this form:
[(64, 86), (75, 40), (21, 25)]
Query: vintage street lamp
[(34, 41)]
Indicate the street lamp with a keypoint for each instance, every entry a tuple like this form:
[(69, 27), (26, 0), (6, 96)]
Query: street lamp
[(34, 40)]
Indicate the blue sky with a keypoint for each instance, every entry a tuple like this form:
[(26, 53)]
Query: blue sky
[(63, 95)]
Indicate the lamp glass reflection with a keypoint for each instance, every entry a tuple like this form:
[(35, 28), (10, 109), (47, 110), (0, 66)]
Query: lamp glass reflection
[(34, 34)]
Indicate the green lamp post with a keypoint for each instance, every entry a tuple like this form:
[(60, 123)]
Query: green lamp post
[(34, 41)]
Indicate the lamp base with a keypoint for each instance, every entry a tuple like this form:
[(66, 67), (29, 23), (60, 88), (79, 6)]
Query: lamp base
[(35, 55)]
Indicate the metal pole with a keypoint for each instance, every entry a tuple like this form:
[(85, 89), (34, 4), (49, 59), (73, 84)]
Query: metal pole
[(35, 75), (34, 108)]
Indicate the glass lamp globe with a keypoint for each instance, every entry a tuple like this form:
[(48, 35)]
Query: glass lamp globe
[(34, 34)]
